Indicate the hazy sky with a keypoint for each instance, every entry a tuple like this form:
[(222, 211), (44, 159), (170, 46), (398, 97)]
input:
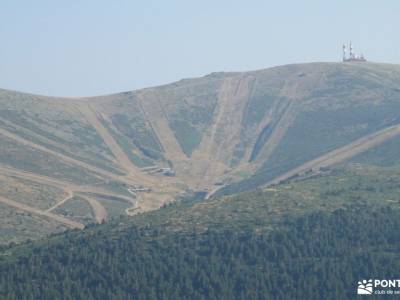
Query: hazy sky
[(93, 47)]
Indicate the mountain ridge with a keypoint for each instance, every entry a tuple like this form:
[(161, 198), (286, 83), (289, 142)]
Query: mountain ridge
[(211, 74)]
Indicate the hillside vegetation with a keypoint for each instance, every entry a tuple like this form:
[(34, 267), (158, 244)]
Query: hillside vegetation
[(308, 239), (74, 161)]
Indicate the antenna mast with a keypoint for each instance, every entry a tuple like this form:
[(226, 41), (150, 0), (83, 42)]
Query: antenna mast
[(352, 56), (351, 51), (344, 52)]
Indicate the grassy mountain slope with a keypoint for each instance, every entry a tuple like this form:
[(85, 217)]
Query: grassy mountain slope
[(226, 127), (225, 132)]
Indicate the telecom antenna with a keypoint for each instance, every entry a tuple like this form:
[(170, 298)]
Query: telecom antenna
[(351, 51), (344, 52), (350, 56)]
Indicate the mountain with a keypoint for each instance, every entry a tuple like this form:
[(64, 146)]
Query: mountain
[(280, 184), (69, 162)]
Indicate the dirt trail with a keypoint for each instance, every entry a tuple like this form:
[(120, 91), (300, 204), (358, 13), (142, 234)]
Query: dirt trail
[(285, 120), (98, 209), (294, 89), (335, 156), (134, 176), (41, 213), (342, 153), (213, 191), (7, 170), (63, 185), (154, 114), (63, 157), (58, 204), (122, 159), (212, 158), (102, 192), (268, 120), (32, 134), (120, 156)]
